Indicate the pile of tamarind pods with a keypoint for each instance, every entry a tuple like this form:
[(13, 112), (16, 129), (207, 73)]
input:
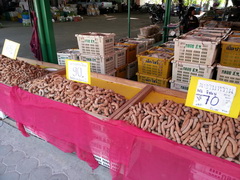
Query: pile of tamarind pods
[(15, 72), (91, 98), (209, 132)]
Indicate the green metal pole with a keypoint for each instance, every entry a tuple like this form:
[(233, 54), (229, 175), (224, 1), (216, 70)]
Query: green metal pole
[(40, 30), (48, 30), (166, 20), (129, 18)]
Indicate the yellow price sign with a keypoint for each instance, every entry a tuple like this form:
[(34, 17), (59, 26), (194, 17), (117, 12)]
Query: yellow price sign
[(78, 71), (10, 49), (214, 96)]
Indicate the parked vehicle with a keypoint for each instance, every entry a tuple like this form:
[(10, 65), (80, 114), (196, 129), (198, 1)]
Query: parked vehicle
[(156, 14), (145, 8)]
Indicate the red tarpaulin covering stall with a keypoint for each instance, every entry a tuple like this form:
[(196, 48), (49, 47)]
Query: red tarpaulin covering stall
[(138, 154)]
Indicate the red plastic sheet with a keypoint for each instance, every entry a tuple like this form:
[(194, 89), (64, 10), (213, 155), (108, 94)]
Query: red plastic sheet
[(5, 105), (133, 153)]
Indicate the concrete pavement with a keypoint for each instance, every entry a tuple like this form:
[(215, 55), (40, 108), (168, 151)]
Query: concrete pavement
[(65, 31), (31, 158)]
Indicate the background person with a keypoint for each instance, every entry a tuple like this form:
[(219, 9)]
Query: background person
[(189, 21)]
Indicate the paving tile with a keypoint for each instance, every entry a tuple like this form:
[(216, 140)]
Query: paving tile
[(24, 176), (3, 168), (58, 177), (13, 158), (40, 173), (5, 149), (10, 176), (27, 165), (72, 173), (11, 168), (84, 176)]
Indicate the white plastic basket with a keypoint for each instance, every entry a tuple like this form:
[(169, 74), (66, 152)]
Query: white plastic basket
[(132, 69), (191, 51), (179, 86), (100, 146), (182, 71), (96, 43), (99, 64), (141, 45), (106, 163), (67, 54), (150, 41), (228, 74), (120, 56)]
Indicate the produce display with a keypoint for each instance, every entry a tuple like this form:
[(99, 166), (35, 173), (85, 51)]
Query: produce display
[(91, 98), (160, 55), (164, 50), (15, 72), (205, 34), (201, 38), (234, 39), (211, 133)]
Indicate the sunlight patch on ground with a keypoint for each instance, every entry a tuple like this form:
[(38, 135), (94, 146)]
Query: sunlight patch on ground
[(134, 18), (108, 16), (111, 19)]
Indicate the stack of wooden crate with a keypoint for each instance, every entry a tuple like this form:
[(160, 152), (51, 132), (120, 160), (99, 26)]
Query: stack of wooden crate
[(229, 68), (98, 49), (195, 55)]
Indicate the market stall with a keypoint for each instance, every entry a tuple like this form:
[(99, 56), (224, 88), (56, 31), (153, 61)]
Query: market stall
[(137, 130), (125, 149)]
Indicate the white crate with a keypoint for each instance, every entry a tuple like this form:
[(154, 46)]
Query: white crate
[(99, 64), (193, 51), (100, 145), (141, 45), (120, 56), (132, 69), (150, 41), (2, 115), (96, 43), (228, 74), (179, 86), (104, 162), (213, 30), (67, 54), (183, 71)]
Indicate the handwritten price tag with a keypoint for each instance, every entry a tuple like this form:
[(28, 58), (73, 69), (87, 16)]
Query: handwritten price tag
[(10, 49), (214, 96), (78, 71)]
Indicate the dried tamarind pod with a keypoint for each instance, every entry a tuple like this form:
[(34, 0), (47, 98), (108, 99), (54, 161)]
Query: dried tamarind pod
[(222, 150), (234, 144), (212, 147)]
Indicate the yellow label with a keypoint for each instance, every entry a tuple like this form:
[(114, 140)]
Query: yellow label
[(78, 71), (10, 49), (214, 96)]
